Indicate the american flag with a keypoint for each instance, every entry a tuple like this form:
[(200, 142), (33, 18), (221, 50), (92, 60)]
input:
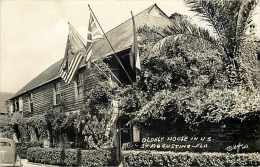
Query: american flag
[(74, 52)]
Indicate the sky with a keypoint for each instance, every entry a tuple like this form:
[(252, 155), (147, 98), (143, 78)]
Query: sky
[(33, 32)]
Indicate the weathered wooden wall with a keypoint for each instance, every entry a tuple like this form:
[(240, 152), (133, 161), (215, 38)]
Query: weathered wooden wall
[(43, 96), (42, 100)]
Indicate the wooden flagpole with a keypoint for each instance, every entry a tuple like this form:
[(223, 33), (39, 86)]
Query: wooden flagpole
[(114, 52), (134, 43)]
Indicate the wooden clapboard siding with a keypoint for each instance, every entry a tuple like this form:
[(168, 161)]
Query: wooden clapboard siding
[(42, 100), (90, 79), (43, 97), (71, 103), (26, 105)]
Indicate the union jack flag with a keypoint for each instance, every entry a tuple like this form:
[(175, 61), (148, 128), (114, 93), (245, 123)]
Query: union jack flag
[(94, 33)]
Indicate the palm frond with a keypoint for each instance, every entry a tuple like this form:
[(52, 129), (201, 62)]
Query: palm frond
[(229, 19), (211, 11), (184, 27)]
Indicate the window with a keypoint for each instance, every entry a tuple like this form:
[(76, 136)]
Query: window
[(57, 94), (30, 102), (16, 105), (11, 107), (20, 104), (79, 88)]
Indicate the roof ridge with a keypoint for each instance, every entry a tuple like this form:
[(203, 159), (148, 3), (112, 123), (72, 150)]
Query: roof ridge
[(159, 9)]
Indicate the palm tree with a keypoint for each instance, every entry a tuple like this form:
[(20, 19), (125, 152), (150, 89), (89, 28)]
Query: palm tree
[(230, 20)]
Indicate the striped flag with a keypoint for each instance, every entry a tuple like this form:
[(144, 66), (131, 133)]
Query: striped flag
[(74, 52)]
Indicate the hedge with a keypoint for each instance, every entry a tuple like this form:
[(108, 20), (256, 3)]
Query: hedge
[(23, 147), (69, 157), (161, 158), (72, 157), (45, 155), (96, 158)]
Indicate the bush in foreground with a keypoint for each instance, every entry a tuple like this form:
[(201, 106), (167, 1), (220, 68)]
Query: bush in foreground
[(23, 147), (69, 157), (45, 155), (96, 157), (155, 158)]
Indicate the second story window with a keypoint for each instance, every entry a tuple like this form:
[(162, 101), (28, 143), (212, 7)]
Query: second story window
[(57, 93), (30, 102), (79, 88)]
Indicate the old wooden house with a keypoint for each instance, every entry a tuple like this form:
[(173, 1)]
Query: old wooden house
[(48, 91)]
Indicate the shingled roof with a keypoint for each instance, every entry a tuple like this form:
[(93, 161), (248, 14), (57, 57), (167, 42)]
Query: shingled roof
[(121, 38)]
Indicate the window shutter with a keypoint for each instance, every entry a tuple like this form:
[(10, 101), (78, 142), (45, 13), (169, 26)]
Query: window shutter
[(54, 95), (15, 105), (32, 100), (20, 104), (29, 103)]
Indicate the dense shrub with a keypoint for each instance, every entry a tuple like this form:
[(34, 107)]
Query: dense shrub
[(72, 157), (52, 156), (197, 105), (23, 147), (155, 158), (96, 158), (69, 157)]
